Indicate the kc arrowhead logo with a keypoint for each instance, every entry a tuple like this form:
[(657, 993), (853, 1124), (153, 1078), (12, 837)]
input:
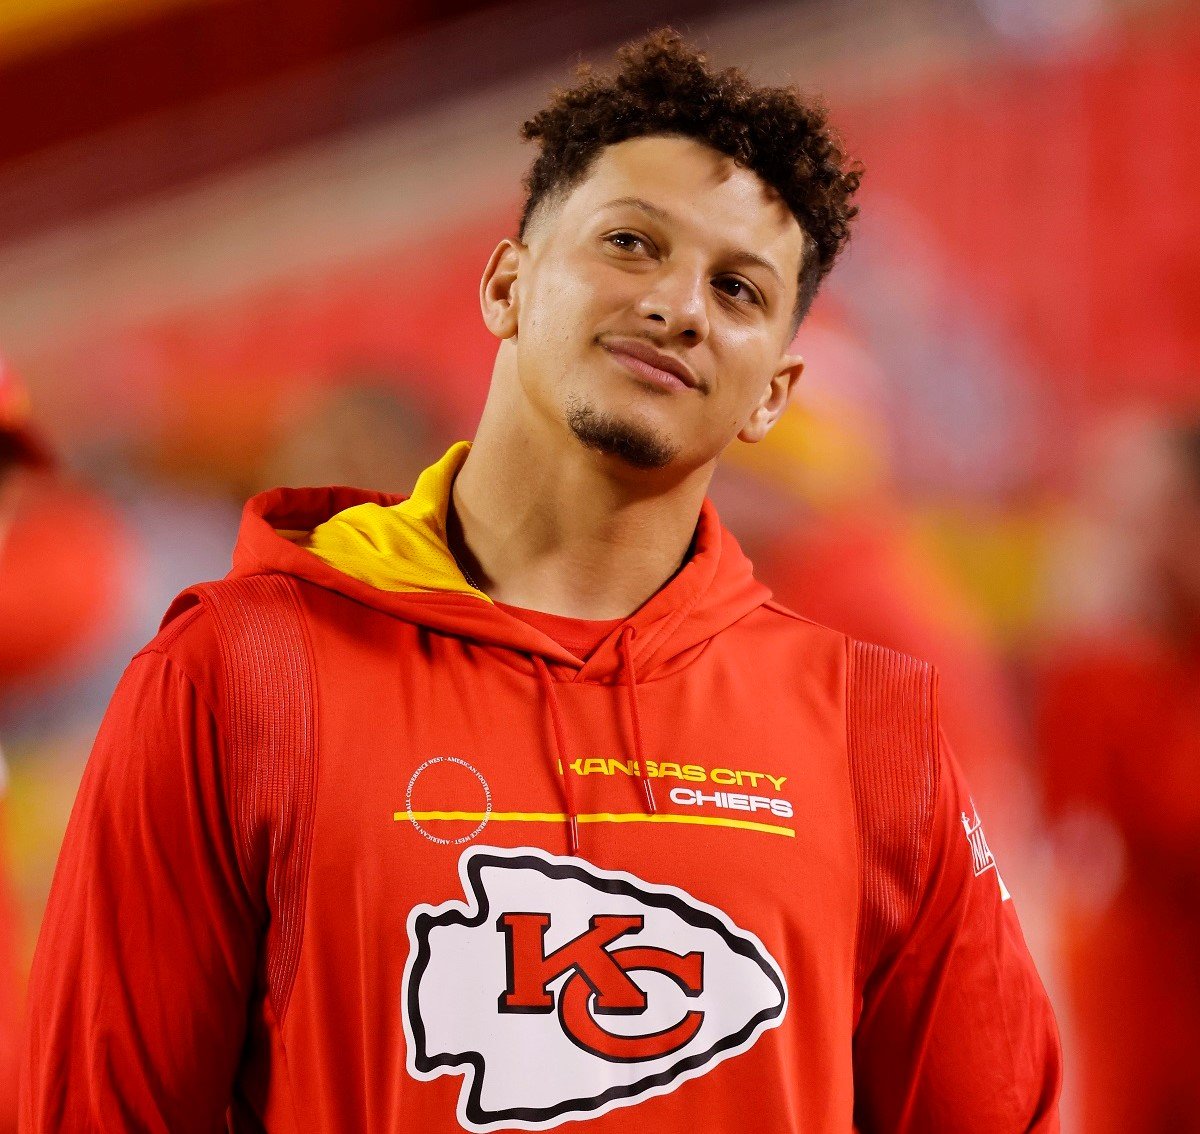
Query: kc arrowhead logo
[(560, 991)]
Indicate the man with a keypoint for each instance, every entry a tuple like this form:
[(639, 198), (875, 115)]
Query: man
[(1119, 725), (518, 803)]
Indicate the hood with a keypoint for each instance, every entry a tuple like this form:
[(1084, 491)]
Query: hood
[(391, 553)]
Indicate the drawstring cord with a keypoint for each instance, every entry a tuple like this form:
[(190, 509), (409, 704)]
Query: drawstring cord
[(627, 636), (560, 754), (560, 748)]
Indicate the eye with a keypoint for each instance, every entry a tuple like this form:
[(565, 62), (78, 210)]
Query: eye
[(628, 241), (737, 288)]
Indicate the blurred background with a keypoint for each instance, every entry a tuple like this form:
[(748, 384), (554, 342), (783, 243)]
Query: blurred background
[(239, 247)]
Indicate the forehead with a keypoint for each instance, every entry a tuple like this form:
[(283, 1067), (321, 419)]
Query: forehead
[(706, 191)]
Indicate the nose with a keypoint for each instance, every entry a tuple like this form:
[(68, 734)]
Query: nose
[(677, 302)]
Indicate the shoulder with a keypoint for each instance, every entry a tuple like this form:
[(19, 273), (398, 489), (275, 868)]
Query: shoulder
[(886, 677), (779, 624), (187, 641), (784, 617), (892, 726), (231, 630)]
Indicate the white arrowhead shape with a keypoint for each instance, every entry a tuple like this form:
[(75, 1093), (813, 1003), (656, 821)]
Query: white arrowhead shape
[(523, 1070)]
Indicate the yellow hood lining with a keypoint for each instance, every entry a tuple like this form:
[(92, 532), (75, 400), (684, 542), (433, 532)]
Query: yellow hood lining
[(402, 548)]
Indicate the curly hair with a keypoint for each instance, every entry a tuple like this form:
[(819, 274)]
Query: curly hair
[(664, 86)]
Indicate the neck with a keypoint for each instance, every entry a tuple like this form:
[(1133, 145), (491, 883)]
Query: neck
[(541, 522)]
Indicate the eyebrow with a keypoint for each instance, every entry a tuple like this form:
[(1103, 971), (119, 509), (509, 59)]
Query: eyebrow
[(737, 255)]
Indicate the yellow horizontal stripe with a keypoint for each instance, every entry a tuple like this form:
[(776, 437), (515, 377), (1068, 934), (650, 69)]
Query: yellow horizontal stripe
[(599, 817)]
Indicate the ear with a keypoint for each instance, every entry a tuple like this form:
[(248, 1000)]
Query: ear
[(775, 400), (498, 289)]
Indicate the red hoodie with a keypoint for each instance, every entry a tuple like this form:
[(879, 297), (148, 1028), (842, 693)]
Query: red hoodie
[(358, 850)]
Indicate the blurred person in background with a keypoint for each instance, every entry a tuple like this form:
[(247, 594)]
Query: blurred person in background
[(22, 448), (838, 544), (242, 919), (366, 430), (1119, 725)]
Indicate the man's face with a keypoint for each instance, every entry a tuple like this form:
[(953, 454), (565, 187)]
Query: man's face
[(653, 305)]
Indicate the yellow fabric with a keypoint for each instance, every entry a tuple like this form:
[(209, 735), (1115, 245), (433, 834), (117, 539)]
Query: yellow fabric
[(401, 548)]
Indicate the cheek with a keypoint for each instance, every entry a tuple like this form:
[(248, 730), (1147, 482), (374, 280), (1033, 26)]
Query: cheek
[(558, 306), (556, 326), (570, 305), (745, 372)]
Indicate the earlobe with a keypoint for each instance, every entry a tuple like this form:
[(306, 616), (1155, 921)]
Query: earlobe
[(774, 401), (498, 293)]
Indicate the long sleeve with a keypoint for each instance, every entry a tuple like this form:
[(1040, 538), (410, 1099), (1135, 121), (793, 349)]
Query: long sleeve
[(956, 1031), (146, 961)]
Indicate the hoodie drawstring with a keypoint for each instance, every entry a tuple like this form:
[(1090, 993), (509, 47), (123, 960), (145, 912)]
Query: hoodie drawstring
[(560, 750), (627, 636), (560, 754)]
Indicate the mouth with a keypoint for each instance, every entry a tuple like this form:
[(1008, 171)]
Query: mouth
[(664, 370)]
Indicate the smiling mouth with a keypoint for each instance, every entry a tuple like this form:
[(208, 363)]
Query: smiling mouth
[(655, 375)]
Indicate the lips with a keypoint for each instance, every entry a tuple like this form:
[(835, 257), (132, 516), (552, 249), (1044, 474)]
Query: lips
[(652, 363)]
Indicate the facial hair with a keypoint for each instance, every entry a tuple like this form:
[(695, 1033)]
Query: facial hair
[(634, 444)]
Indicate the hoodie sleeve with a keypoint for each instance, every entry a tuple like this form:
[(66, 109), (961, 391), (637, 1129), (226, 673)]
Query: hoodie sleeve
[(147, 956), (956, 1031)]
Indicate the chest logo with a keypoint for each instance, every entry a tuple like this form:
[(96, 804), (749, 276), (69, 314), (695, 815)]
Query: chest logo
[(560, 991)]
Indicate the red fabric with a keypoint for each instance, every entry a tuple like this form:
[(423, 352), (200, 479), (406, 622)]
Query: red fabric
[(929, 1055), (579, 635), (560, 760), (892, 841), (456, 973), (272, 759), (635, 717)]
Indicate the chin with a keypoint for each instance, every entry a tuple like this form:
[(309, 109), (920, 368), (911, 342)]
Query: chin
[(633, 442)]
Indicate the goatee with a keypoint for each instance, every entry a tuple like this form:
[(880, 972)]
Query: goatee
[(634, 444)]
